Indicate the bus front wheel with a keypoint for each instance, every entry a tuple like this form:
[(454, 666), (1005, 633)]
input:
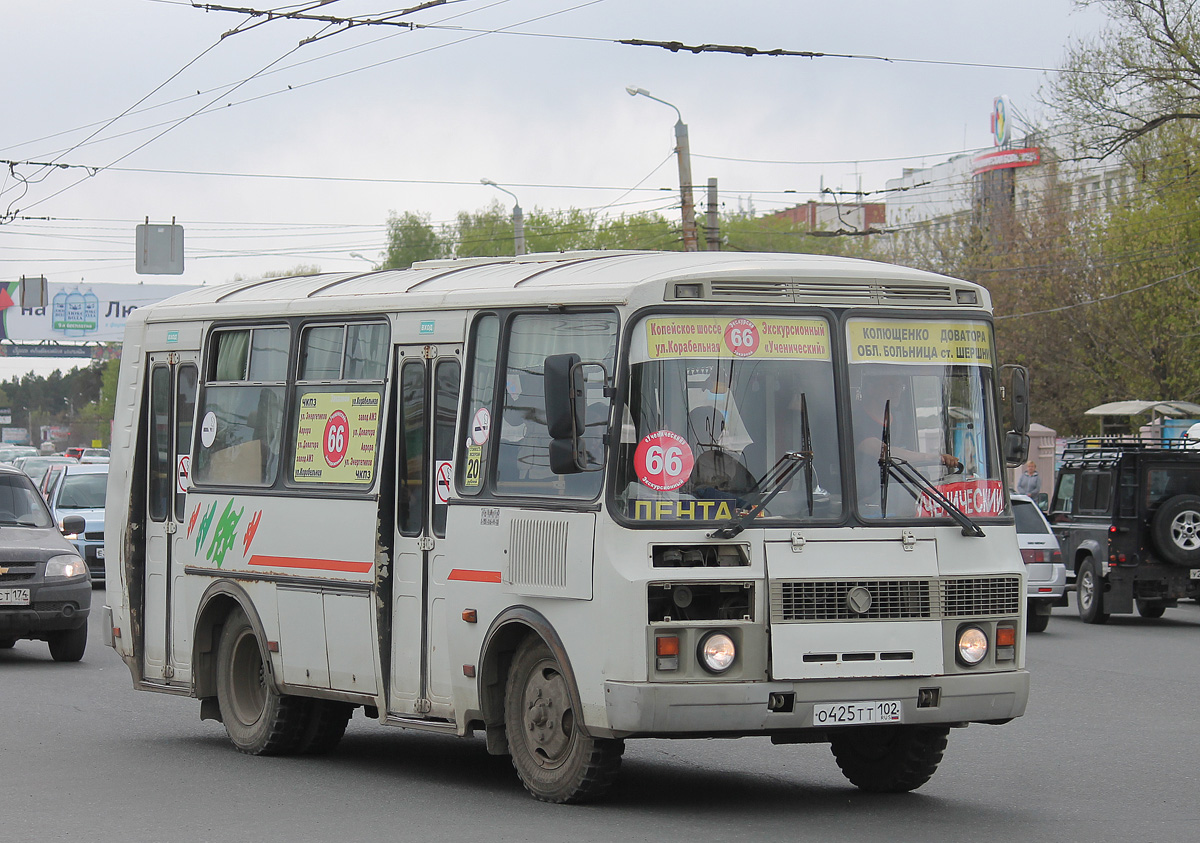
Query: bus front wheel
[(555, 760), (258, 719), (888, 759)]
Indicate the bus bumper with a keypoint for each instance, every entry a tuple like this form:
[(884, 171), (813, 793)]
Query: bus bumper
[(643, 709)]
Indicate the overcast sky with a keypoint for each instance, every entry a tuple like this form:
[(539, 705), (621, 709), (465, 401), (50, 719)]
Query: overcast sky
[(277, 154)]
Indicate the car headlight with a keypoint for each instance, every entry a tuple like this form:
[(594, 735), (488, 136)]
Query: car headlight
[(972, 645), (67, 565), (716, 652)]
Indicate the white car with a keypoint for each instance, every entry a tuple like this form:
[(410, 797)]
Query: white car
[(1045, 573)]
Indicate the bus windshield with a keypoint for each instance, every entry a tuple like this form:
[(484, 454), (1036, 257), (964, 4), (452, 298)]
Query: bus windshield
[(932, 384), (713, 403)]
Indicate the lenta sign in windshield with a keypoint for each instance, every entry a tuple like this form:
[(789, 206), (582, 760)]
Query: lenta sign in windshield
[(906, 341)]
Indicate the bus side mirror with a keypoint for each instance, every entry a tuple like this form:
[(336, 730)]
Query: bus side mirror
[(1016, 448), (1014, 393), (564, 412)]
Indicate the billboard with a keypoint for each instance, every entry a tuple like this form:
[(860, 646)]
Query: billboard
[(77, 313)]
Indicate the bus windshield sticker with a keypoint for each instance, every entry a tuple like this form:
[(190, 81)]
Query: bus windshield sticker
[(771, 338), (208, 429), (474, 465), (336, 437), (976, 498), (481, 426), (908, 341), (663, 461)]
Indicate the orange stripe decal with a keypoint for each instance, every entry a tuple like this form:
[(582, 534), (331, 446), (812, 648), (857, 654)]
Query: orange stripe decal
[(311, 564), (474, 576)]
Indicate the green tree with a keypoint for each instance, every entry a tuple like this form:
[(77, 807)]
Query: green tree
[(1140, 73), (412, 238)]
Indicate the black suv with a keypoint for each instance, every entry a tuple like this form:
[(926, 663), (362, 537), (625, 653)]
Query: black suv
[(1127, 516), (45, 587)]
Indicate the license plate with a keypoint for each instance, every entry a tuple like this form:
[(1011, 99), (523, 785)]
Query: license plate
[(853, 713), (14, 597), (1196, 573), (99, 553)]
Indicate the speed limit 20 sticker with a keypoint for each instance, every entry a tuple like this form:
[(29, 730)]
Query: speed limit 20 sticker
[(663, 461)]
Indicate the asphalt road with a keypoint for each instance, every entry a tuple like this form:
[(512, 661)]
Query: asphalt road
[(1108, 751)]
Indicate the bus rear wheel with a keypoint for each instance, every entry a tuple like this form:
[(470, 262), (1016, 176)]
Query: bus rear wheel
[(888, 759), (258, 719), (325, 724), (556, 761)]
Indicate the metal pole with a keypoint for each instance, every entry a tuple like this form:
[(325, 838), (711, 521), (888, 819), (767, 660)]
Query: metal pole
[(712, 233), (684, 152), (518, 217), (518, 229)]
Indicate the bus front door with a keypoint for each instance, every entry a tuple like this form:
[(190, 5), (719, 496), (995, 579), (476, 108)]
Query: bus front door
[(428, 381), (172, 406)]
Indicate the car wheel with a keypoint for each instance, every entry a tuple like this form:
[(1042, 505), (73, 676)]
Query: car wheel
[(1035, 622), (258, 719), (1176, 529), (1151, 608), (68, 646), (1090, 593), (888, 759), (555, 760)]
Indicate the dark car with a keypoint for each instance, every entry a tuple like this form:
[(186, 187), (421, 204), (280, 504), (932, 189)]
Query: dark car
[(45, 587), (1127, 516)]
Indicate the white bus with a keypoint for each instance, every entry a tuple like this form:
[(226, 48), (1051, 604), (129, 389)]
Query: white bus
[(569, 499)]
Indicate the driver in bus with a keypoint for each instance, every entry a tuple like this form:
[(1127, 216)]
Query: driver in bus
[(871, 397), (716, 397)]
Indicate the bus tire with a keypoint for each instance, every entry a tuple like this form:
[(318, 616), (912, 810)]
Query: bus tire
[(888, 759), (1089, 593), (554, 759), (258, 719), (325, 724)]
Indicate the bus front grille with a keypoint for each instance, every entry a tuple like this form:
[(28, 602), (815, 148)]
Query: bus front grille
[(803, 601)]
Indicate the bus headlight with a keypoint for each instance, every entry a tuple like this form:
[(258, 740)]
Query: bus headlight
[(972, 645), (716, 652)]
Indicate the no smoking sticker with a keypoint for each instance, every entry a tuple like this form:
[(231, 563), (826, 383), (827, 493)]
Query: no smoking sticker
[(443, 473), (663, 461), (481, 426), (182, 470)]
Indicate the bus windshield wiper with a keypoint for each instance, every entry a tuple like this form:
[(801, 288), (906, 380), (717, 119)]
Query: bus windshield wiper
[(779, 475), (913, 481)]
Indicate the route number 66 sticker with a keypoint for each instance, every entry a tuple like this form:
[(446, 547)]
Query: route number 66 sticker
[(663, 461)]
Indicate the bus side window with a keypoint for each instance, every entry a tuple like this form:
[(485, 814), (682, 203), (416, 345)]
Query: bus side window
[(522, 456), (472, 450), (410, 456), (160, 485), (446, 379), (242, 416)]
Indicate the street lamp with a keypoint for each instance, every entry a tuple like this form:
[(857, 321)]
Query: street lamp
[(517, 217), (362, 257), (684, 153)]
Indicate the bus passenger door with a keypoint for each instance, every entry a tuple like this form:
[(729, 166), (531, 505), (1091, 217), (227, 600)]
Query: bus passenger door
[(172, 406), (427, 402)]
